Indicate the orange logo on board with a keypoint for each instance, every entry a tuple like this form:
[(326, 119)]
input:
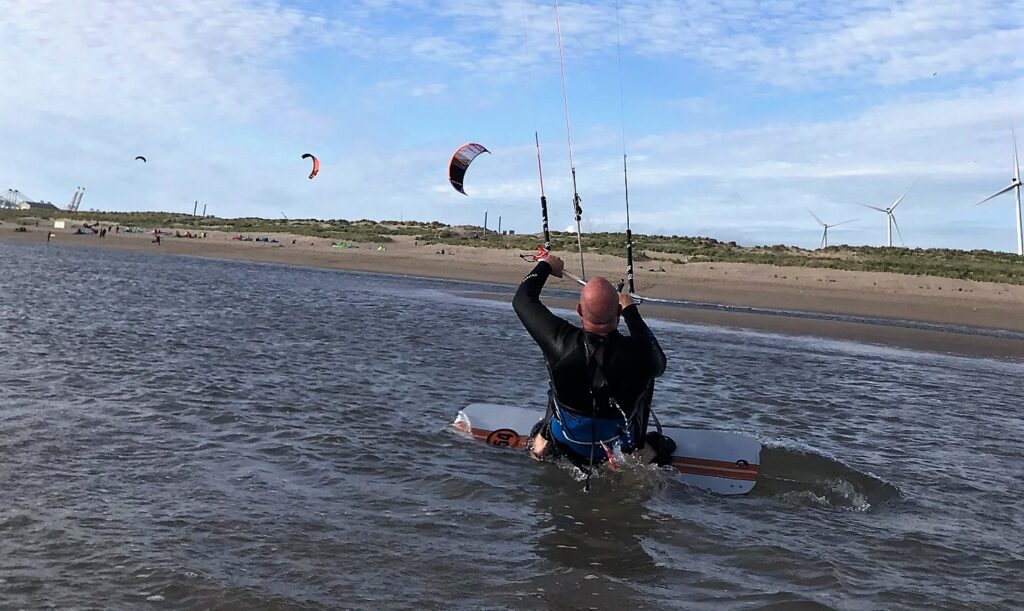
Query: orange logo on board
[(505, 438)]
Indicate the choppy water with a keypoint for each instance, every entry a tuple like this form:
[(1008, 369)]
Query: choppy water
[(188, 433)]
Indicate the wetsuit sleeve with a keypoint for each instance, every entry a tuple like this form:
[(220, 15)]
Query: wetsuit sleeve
[(638, 328), (543, 326)]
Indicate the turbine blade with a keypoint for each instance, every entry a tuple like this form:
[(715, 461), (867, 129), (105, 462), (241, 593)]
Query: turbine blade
[(876, 208), (1016, 160), (820, 222), (902, 196), (1010, 188), (898, 230), (844, 222)]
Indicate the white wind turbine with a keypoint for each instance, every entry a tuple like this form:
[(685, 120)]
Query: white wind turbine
[(824, 235), (891, 220), (1014, 186)]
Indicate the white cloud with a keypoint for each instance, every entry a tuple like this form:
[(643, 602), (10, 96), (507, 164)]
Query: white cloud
[(800, 43), (812, 43), (753, 184), (141, 62), (428, 89), (224, 98)]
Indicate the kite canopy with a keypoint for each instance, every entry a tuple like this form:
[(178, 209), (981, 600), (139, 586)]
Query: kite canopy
[(316, 164), (463, 156), (142, 158)]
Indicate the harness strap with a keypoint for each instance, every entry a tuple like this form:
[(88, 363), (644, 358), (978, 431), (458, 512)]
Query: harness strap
[(566, 417)]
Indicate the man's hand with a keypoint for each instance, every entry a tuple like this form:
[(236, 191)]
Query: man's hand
[(557, 265), (625, 300), (538, 447)]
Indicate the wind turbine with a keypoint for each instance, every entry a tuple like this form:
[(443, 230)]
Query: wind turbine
[(892, 219), (1014, 186), (824, 235)]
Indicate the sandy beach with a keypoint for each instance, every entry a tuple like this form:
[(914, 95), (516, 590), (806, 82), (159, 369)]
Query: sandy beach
[(895, 297)]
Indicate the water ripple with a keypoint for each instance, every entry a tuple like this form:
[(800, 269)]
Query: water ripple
[(189, 433)]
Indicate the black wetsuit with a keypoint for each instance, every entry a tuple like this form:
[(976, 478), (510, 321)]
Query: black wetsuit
[(593, 376)]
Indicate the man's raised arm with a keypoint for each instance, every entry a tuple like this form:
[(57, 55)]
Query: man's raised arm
[(542, 325)]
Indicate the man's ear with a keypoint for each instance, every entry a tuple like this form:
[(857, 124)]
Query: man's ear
[(579, 309)]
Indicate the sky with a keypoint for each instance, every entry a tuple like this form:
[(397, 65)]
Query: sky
[(739, 118)]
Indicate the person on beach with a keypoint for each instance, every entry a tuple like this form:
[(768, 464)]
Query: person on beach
[(601, 382)]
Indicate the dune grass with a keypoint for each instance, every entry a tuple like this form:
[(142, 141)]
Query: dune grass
[(981, 265)]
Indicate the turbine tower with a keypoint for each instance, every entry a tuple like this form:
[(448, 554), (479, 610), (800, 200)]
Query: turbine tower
[(824, 235), (1014, 186), (891, 220)]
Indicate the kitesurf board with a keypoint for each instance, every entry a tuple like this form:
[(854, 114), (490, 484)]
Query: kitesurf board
[(723, 462)]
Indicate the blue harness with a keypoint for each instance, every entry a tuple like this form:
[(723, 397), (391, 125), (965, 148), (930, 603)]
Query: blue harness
[(581, 433)]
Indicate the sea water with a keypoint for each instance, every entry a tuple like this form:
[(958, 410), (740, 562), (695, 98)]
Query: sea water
[(179, 432)]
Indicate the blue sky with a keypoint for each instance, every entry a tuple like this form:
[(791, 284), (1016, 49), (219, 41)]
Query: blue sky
[(739, 116)]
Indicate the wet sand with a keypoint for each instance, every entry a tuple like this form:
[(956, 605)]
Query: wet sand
[(892, 297)]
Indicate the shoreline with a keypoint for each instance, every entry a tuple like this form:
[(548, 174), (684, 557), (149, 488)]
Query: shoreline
[(806, 298)]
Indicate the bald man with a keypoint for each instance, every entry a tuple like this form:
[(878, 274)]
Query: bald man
[(600, 380)]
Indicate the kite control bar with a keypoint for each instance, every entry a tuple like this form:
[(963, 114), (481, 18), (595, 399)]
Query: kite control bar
[(571, 276)]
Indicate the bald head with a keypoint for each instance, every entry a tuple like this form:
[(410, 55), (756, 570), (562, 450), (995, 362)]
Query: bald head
[(599, 306)]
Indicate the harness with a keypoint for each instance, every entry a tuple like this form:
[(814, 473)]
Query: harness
[(582, 434)]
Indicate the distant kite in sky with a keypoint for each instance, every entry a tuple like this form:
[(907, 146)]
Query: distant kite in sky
[(463, 156), (316, 164), (142, 158)]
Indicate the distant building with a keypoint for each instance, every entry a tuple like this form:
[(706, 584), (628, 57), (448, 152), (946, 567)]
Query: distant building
[(40, 205), (35, 205), (16, 200)]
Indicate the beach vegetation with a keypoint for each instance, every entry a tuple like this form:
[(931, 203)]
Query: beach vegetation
[(979, 265)]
